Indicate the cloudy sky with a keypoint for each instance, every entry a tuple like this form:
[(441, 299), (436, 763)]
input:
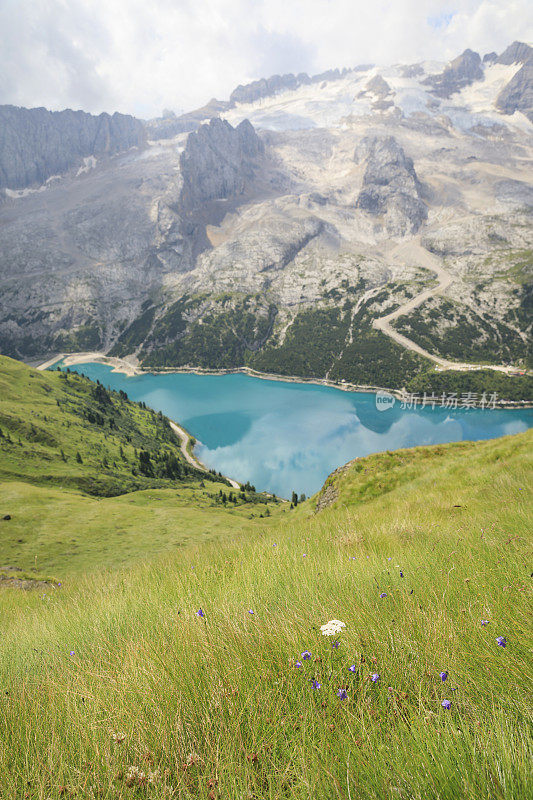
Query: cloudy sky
[(140, 56)]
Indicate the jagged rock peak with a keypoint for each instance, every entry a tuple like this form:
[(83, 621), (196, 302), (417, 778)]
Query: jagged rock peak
[(37, 143), (266, 87), (461, 72), (219, 162), (518, 94), (390, 185), (516, 53)]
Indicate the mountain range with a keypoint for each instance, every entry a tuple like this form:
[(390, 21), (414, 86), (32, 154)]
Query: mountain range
[(362, 225)]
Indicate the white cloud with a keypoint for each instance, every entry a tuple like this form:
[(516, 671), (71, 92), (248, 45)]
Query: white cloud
[(138, 57)]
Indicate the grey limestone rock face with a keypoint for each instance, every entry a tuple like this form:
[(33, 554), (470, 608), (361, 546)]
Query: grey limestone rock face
[(36, 144), (518, 94), (390, 185), (515, 193), (461, 72), (516, 53), (267, 87), (85, 253), (218, 162)]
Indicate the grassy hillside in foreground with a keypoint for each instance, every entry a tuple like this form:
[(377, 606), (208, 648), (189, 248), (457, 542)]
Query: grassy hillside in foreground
[(116, 687)]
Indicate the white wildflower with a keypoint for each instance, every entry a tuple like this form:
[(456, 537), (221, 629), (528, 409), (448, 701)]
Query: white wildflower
[(332, 627), (135, 776)]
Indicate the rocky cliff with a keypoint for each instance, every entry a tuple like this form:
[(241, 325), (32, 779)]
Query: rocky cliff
[(461, 72), (218, 162), (266, 87), (391, 188), (516, 53), (36, 144), (518, 94)]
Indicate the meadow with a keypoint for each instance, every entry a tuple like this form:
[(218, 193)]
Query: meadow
[(202, 671)]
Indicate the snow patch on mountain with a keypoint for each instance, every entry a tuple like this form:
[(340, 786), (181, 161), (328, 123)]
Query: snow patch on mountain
[(333, 104)]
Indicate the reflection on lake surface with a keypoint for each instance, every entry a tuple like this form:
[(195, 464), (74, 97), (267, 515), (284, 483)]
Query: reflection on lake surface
[(287, 436)]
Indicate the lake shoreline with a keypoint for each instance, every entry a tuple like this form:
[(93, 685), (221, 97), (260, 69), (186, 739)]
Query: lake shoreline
[(131, 370)]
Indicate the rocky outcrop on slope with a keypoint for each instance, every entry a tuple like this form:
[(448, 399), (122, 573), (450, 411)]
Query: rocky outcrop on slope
[(251, 261), (379, 92), (515, 193), (218, 162), (390, 188), (168, 126), (378, 86), (36, 143), (518, 94), (461, 72)]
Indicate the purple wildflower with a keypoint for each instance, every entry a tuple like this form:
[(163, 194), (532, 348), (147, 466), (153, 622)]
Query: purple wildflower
[(316, 685), (306, 655), (375, 677), (443, 676), (304, 555), (353, 668), (502, 641), (250, 611), (383, 594), (446, 704), (484, 622), (337, 643), (200, 613), (71, 653), (389, 558), (298, 664), (401, 574), (342, 694)]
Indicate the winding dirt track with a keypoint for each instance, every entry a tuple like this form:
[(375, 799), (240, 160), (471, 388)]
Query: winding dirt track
[(413, 253), (183, 436)]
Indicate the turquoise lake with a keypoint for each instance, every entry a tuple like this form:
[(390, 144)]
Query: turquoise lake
[(288, 436)]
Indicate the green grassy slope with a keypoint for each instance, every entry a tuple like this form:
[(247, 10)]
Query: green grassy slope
[(61, 534), (48, 418), (114, 687), (110, 506)]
